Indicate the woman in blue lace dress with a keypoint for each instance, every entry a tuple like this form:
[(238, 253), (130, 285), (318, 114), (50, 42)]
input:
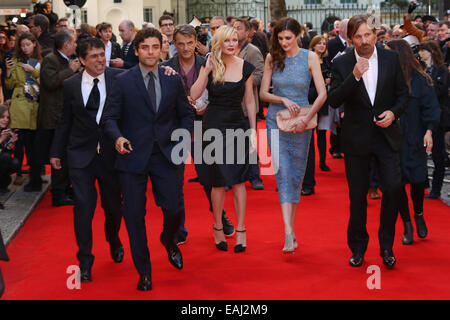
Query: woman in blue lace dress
[(290, 69)]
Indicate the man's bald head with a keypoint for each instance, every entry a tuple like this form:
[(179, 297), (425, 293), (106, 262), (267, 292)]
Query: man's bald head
[(21, 29)]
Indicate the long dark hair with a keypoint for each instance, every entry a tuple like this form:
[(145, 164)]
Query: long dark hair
[(436, 53), (408, 61), (18, 53), (276, 51)]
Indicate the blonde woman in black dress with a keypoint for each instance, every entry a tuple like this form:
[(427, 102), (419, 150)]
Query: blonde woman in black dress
[(228, 80)]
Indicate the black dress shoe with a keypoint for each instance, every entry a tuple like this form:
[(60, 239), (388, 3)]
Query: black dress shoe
[(388, 258), (307, 192), (408, 234), (421, 226), (179, 239), (325, 168), (257, 184), (174, 254), (228, 228), (63, 201), (85, 275), (117, 254), (356, 260), (196, 179), (433, 195), (145, 283)]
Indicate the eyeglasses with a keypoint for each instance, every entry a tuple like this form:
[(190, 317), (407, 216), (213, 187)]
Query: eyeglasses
[(167, 25)]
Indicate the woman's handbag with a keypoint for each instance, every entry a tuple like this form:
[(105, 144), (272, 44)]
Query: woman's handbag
[(287, 123)]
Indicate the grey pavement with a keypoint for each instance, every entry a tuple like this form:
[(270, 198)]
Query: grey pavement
[(18, 207)]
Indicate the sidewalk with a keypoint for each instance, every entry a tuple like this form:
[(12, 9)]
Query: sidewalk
[(18, 207)]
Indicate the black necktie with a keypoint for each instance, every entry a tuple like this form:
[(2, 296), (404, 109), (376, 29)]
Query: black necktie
[(125, 49), (151, 90), (93, 102)]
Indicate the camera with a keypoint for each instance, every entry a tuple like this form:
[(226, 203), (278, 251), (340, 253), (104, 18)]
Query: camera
[(40, 8), (201, 36)]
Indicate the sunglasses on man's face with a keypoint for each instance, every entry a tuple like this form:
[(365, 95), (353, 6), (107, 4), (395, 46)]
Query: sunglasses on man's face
[(167, 25)]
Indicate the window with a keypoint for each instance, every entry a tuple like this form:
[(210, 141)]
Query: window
[(84, 16), (313, 1), (148, 15), (349, 1)]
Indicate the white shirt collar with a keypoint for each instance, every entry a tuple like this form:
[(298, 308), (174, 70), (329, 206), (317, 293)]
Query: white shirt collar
[(87, 78), (63, 55), (373, 56), (342, 40)]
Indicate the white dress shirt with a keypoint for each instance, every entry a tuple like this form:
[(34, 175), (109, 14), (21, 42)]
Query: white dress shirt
[(108, 51), (87, 83), (370, 77)]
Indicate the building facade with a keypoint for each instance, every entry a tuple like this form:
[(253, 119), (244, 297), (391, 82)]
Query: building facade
[(115, 11)]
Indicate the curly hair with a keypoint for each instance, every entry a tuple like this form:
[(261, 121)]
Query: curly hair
[(223, 33), (276, 51)]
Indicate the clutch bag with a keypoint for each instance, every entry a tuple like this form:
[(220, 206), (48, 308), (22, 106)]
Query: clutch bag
[(286, 122)]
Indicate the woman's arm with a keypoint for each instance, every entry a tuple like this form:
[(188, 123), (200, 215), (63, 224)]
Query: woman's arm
[(202, 81), (316, 71), (249, 101)]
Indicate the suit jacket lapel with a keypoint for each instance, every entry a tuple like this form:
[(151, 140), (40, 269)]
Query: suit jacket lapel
[(381, 75), (163, 84), (78, 93), (141, 86)]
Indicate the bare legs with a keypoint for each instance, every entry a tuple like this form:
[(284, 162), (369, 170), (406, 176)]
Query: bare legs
[(289, 212), (240, 200)]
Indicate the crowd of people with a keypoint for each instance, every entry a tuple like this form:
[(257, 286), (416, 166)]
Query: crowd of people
[(100, 111)]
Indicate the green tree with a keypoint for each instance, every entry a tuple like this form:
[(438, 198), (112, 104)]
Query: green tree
[(277, 9)]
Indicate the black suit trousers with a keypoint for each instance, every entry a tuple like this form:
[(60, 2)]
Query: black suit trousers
[(357, 170), (168, 194), (85, 192)]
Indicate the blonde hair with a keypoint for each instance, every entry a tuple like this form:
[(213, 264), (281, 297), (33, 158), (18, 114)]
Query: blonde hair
[(221, 34)]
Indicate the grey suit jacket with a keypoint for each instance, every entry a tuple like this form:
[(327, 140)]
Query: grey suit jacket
[(251, 54)]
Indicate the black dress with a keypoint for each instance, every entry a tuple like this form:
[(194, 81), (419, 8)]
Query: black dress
[(225, 112)]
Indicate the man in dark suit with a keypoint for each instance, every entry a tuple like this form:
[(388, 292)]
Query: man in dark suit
[(56, 67), (90, 155), (370, 84), (146, 107), (128, 57)]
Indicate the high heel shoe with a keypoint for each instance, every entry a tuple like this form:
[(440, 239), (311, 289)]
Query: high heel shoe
[(222, 245), (288, 243), (295, 242), (240, 247)]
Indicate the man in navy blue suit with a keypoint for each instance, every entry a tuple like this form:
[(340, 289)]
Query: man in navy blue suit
[(129, 59), (145, 108)]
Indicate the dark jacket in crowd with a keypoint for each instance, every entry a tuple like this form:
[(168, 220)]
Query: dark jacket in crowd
[(261, 42), (47, 43), (441, 81), (55, 69), (312, 94), (130, 59), (421, 114)]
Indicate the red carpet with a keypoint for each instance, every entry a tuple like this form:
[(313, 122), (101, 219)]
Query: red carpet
[(45, 247)]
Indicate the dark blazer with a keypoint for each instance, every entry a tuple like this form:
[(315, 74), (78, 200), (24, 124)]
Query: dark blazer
[(116, 50), (334, 46), (358, 124), (129, 113), (422, 114), (130, 59), (47, 43), (55, 69), (441, 79), (174, 63), (78, 133)]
